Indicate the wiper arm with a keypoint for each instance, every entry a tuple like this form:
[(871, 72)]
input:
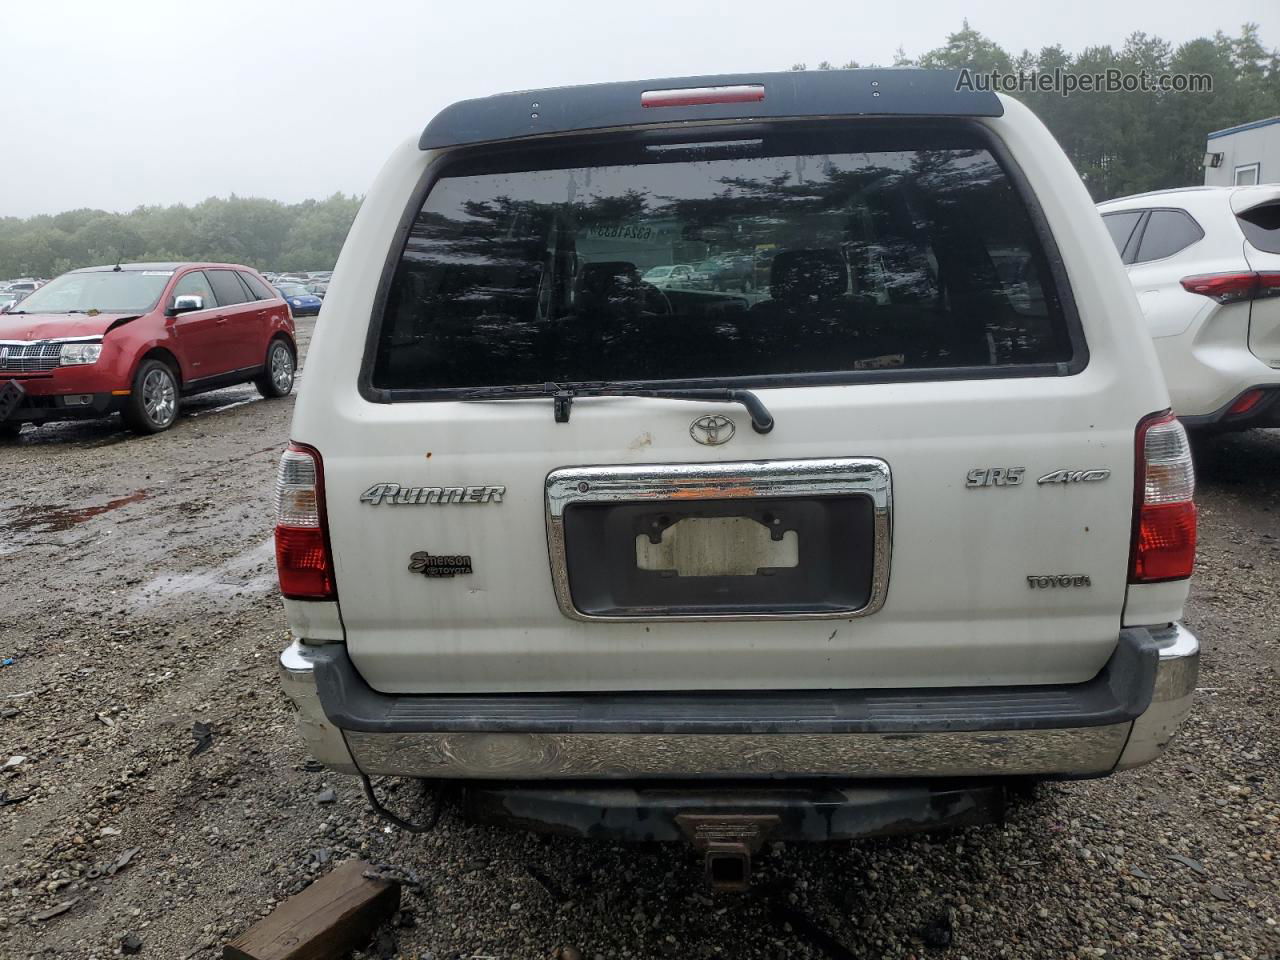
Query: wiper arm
[(761, 419)]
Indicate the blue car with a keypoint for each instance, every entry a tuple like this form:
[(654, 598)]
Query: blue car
[(301, 301)]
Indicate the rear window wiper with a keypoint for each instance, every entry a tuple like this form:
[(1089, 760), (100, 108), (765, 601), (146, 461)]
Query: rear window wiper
[(563, 397)]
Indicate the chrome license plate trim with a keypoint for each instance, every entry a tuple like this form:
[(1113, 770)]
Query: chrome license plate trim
[(748, 479)]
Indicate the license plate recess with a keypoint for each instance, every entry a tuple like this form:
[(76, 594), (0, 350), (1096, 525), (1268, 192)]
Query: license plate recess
[(804, 538), (11, 394)]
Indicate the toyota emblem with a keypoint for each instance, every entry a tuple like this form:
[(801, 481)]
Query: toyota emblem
[(712, 430)]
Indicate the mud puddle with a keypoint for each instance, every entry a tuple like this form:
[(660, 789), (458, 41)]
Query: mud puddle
[(37, 518), (237, 581)]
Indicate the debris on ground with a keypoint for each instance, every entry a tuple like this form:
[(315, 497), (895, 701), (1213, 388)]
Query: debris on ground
[(203, 735), (55, 911), (1195, 865), (937, 933), (123, 860), (338, 913)]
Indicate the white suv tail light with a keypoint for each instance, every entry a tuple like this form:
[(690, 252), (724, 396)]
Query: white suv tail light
[(304, 561), (1164, 524), (1234, 287)]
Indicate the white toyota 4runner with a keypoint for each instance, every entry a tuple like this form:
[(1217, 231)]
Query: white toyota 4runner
[(851, 551)]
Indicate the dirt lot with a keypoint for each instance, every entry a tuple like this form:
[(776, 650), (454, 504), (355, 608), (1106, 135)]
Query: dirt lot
[(137, 601)]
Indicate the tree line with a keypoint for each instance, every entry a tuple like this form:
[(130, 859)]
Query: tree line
[(262, 233), (1120, 143), (1123, 143)]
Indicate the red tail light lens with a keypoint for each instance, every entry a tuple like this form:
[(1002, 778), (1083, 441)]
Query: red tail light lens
[(1166, 547), (698, 96), (1233, 287), (1164, 533), (304, 561)]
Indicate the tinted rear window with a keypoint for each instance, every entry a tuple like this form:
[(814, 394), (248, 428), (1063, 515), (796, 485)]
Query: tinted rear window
[(227, 287), (1261, 227), (874, 251), (256, 286)]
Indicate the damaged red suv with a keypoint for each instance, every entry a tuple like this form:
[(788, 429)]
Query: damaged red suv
[(136, 338)]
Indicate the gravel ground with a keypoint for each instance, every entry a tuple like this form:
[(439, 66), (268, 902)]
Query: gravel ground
[(137, 602)]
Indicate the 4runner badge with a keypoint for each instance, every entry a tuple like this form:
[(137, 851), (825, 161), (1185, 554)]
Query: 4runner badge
[(394, 493), (441, 565)]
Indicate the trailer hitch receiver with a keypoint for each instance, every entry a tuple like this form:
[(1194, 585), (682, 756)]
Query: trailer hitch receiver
[(727, 841)]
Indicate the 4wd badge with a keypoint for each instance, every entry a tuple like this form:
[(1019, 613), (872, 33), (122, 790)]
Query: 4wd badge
[(1075, 476), (439, 565)]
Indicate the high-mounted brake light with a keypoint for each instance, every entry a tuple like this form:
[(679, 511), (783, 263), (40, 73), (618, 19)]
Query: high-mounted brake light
[(698, 96), (304, 562), (1164, 526), (1233, 287)]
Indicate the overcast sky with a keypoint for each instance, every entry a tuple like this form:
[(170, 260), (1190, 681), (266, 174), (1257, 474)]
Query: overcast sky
[(116, 103)]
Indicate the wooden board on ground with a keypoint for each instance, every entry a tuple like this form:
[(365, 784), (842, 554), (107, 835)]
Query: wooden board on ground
[(335, 915)]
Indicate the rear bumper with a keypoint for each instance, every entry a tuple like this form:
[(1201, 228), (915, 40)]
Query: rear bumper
[(1122, 718), (1265, 412)]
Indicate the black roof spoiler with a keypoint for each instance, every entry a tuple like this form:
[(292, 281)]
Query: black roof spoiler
[(890, 92)]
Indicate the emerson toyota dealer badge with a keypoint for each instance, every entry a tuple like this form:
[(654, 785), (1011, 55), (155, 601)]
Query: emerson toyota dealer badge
[(439, 565)]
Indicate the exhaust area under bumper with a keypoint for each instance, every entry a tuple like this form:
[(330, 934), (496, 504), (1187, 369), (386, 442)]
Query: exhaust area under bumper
[(748, 814), (729, 824)]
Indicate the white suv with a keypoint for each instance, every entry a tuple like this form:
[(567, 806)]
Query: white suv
[(847, 554), (1205, 263)]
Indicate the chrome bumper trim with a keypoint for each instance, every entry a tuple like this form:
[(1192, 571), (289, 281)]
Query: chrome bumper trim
[(1084, 751), (1179, 668), (1176, 676), (323, 740)]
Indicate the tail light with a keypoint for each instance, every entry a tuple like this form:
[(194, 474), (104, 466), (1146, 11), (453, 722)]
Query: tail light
[(1164, 528), (304, 561), (1234, 287)]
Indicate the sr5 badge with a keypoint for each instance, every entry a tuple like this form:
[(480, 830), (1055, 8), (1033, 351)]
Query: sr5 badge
[(995, 477)]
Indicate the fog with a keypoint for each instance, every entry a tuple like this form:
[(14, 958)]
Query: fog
[(114, 105)]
